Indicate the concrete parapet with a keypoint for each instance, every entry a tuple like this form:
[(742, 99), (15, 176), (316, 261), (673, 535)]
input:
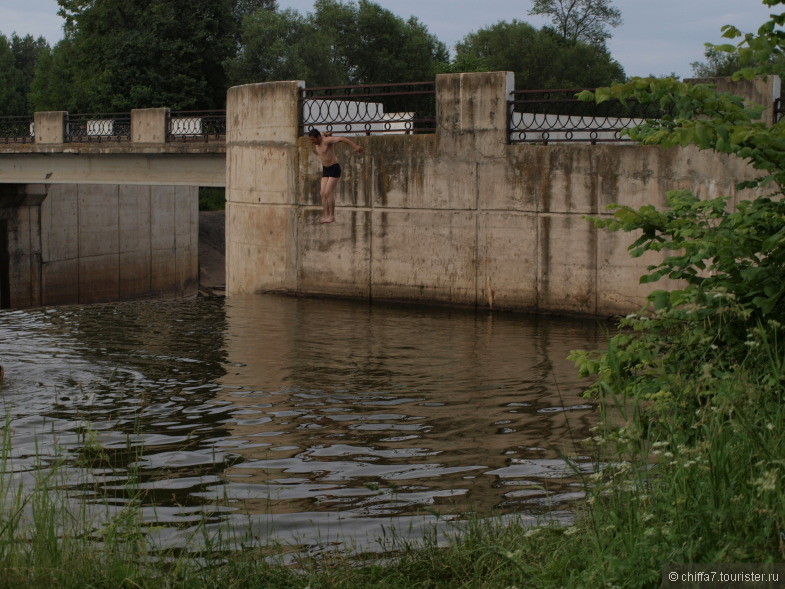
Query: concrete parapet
[(760, 91), (149, 125), (472, 113), (265, 112), (49, 127)]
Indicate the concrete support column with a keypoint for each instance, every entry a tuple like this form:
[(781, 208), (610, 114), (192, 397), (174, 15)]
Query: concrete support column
[(262, 122), (149, 125), (49, 127), (20, 244)]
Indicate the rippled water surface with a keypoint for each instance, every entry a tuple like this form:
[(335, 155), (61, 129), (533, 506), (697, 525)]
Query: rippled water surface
[(306, 421)]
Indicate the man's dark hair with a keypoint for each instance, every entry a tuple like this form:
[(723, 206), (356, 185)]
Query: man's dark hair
[(314, 133)]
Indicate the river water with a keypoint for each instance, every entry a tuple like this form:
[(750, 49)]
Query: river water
[(306, 421)]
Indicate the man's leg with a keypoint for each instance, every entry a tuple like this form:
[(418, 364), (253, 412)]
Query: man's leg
[(328, 200)]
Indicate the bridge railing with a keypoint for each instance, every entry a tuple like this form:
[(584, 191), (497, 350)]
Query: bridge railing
[(17, 129), (196, 125), (551, 116), (370, 109), (98, 127)]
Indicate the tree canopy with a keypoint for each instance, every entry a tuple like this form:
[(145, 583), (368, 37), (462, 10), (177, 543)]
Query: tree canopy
[(184, 54), (722, 64), (336, 44), (146, 53), (540, 58), (18, 59), (580, 20)]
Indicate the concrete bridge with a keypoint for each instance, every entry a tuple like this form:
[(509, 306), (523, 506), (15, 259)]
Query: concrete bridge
[(93, 218), (460, 216)]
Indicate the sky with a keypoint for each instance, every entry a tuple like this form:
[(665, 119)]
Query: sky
[(657, 37)]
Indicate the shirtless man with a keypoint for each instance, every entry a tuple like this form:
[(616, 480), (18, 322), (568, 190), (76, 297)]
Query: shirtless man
[(324, 146)]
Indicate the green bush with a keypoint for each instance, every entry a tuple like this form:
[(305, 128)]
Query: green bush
[(212, 198)]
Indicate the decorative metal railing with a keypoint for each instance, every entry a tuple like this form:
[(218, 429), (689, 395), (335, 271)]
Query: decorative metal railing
[(17, 129), (196, 125), (549, 116), (371, 109), (98, 127), (779, 109)]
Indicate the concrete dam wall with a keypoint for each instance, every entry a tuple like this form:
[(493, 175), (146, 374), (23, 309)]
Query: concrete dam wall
[(459, 217), (88, 243)]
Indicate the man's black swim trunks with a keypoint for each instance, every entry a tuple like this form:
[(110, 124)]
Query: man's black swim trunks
[(333, 171)]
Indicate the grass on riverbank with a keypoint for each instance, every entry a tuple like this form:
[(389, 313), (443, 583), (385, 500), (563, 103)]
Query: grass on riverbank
[(681, 483)]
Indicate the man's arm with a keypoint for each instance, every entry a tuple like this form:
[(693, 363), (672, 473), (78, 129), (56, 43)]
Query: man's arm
[(349, 142)]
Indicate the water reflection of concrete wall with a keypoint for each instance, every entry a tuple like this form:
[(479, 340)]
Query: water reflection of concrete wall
[(451, 407)]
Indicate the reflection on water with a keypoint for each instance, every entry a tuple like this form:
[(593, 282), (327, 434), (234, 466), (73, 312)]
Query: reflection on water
[(310, 421)]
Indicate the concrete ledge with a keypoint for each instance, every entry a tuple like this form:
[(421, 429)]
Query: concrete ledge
[(203, 169)]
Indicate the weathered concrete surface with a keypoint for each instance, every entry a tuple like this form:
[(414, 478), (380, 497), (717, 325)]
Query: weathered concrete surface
[(95, 243), (148, 125), (49, 127), (459, 217), (760, 91), (97, 165), (147, 159), (261, 172)]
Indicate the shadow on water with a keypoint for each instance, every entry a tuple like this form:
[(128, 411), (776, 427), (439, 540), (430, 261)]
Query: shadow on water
[(310, 421)]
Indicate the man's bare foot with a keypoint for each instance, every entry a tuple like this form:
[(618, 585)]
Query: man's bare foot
[(327, 220)]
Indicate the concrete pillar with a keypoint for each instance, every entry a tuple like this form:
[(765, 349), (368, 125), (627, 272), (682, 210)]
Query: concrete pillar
[(472, 111), (761, 91), (20, 244), (49, 127), (262, 126), (149, 125)]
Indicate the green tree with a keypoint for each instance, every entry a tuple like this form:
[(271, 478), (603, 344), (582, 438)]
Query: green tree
[(580, 20), (27, 52), (55, 76), (278, 46), (377, 46), (242, 8), (722, 64), (11, 101), (540, 58), (18, 59), (731, 260), (336, 44), (147, 53)]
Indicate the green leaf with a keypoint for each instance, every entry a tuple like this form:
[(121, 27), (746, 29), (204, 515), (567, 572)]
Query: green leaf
[(602, 95), (660, 299)]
